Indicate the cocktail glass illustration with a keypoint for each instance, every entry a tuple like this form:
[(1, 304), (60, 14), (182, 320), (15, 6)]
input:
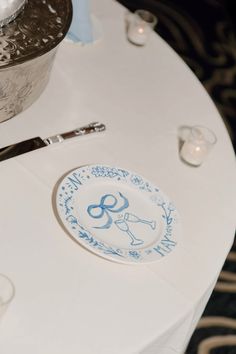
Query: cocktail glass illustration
[(123, 226), (134, 218)]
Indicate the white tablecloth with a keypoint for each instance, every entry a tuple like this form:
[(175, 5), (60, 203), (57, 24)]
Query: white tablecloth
[(69, 300)]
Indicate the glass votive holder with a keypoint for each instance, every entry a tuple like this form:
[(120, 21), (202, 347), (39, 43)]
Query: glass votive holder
[(7, 292), (140, 26), (197, 145)]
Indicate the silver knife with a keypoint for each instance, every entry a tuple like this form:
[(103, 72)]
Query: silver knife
[(37, 143)]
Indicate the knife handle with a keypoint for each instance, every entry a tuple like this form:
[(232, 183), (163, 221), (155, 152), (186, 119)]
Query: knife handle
[(94, 127)]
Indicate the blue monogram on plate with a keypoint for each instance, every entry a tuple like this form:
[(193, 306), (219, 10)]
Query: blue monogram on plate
[(120, 227)]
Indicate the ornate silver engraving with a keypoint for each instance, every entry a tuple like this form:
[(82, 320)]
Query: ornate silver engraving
[(21, 85), (27, 49)]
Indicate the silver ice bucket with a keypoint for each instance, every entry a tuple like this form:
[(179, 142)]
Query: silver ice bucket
[(28, 44)]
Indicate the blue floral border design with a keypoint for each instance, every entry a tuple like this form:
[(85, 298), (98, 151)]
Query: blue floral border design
[(77, 178)]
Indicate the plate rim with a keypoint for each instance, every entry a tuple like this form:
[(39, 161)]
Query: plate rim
[(113, 256)]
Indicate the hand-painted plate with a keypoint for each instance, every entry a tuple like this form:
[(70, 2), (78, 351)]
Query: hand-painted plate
[(117, 214)]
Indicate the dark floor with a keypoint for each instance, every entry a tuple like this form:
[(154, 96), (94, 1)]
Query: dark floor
[(203, 33)]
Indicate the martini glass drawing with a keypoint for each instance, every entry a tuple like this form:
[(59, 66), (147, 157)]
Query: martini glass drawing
[(123, 226), (133, 218)]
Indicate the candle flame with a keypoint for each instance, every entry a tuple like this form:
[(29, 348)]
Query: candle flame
[(140, 30)]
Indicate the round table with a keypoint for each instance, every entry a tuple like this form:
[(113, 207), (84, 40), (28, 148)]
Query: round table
[(69, 300)]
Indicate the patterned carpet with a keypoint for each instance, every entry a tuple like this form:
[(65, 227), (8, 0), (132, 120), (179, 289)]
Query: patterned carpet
[(203, 33), (216, 331)]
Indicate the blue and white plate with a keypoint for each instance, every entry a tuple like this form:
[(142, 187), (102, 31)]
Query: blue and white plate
[(117, 214)]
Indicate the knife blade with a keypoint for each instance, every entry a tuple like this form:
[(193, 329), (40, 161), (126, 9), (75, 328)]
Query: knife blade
[(37, 143)]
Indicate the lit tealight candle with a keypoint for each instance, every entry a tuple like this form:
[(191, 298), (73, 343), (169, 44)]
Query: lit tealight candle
[(140, 26), (197, 145), (137, 35)]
